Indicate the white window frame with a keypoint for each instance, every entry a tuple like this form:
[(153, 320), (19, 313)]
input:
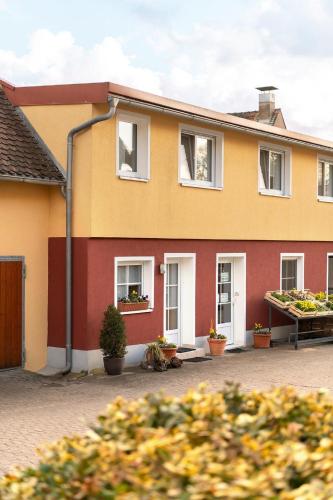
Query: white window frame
[(148, 275), (286, 173), (143, 145), (329, 254), (325, 159), (217, 157), (299, 257)]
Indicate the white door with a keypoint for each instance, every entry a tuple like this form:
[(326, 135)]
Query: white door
[(330, 275), (172, 303), (225, 299)]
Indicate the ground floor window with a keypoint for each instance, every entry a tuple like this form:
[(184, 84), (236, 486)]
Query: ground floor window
[(292, 271), (134, 275), (129, 280)]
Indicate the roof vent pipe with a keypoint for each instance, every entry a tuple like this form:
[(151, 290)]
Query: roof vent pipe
[(113, 102)]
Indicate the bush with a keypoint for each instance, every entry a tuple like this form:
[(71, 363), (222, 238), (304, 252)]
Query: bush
[(275, 444), (112, 338)]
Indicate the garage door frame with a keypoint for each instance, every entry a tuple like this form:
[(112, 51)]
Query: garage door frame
[(19, 258)]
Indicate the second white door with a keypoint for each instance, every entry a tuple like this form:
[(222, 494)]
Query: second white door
[(225, 299), (172, 303)]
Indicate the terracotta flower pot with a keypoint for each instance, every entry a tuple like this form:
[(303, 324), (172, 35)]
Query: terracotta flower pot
[(132, 306), (217, 346), (169, 352), (261, 340), (113, 366)]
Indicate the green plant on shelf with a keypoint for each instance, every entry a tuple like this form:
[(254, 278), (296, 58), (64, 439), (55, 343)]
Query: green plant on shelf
[(282, 297), (300, 295), (307, 306), (321, 296)]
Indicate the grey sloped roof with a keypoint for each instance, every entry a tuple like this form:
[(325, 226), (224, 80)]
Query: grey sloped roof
[(23, 154), (253, 115)]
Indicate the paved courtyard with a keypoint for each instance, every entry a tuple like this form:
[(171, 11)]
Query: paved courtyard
[(35, 410)]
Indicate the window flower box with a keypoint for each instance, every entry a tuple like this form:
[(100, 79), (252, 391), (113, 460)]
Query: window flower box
[(133, 302), (133, 306)]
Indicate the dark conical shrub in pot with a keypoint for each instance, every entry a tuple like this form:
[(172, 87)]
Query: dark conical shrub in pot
[(113, 341)]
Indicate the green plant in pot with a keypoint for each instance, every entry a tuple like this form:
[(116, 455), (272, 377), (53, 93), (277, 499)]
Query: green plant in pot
[(216, 341), (261, 337), (169, 349), (113, 341)]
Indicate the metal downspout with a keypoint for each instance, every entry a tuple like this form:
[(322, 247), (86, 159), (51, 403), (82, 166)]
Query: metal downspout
[(113, 102)]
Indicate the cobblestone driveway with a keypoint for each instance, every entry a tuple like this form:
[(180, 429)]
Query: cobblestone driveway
[(34, 410)]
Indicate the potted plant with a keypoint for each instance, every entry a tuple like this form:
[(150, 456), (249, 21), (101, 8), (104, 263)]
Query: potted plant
[(169, 349), (112, 341), (261, 337), (216, 341), (154, 358), (133, 302)]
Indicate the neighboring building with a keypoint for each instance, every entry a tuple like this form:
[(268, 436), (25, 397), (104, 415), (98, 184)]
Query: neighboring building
[(267, 112), (33, 173), (202, 211)]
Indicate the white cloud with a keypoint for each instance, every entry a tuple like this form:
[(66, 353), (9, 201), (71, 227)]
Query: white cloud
[(56, 58), (213, 65)]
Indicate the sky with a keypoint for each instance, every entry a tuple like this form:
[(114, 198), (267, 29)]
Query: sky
[(211, 53)]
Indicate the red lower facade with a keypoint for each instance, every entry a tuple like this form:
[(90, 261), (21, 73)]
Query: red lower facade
[(94, 282)]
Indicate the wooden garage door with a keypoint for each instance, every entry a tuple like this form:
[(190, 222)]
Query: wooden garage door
[(10, 314)]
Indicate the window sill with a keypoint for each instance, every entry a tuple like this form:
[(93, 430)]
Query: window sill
[(137, 312), (128, 178), (189, 184), (325, 199), (276, 195)]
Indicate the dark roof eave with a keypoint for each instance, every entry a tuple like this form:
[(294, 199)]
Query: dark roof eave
[(32, 180)]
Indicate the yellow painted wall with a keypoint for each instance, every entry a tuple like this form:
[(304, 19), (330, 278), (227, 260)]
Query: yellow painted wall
[(53, 124), (162, 208), (106, 206), (24, 232)]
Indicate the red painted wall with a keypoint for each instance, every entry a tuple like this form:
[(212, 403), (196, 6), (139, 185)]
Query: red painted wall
[(93, 281)]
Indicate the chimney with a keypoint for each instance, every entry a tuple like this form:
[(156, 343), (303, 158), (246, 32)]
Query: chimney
[(266, 103)]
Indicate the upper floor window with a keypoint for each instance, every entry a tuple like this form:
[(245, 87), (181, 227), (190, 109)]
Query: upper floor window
[(325, 179), (201, 155), (274, 170), (133, 146)]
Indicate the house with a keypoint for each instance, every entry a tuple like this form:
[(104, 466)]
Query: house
[(202, 211), (267, 112), (29, 177)]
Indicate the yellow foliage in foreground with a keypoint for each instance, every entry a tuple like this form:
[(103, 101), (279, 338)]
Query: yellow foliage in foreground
[(227, 445)]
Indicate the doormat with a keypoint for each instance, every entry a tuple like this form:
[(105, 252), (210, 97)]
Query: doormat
[(185, 349), (236, 350), (198, 359)]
